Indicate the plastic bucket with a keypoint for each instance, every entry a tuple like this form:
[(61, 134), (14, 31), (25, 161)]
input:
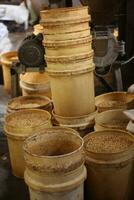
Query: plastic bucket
[(65, 20), (6, 60), (113, 100), (19, 126), (73, 92), (109, 162), (29, 102), (55, 165), (64, 13), (68, 47), (34, 83), (111, 119)]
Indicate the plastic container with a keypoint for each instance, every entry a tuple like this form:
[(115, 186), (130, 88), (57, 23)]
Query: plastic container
[(6, 60), (73, 92), (68, 47), (19, 126), (113, 100), (35, 83), (109, 162), (55, 165), (29, 102), (111, 119), (65, 20)]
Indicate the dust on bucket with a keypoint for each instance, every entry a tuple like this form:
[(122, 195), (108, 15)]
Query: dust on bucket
[(19, 126), (109, 162), (55, 165)]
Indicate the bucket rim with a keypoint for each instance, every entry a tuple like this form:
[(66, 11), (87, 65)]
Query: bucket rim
[(72, 131), (68, 9), (5, 56), (24, 111), (109, 112), (70, 72), (61, 22), (17, 99), (69, 42)]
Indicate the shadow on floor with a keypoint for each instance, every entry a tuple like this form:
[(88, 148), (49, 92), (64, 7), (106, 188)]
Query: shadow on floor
[(10, 187)]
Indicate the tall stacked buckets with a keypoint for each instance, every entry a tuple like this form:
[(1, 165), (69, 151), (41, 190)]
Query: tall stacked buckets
[(69, 58)]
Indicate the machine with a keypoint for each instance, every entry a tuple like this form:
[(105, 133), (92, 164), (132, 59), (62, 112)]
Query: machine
[(31, 59)]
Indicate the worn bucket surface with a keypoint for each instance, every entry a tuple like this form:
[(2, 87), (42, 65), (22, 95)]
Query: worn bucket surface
[(70, 47), (19, 126), (55, 167), (29, 102), (109, 162)]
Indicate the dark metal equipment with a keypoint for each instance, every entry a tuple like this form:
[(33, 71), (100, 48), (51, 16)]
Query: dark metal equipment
[(31, 59), (108, 19)]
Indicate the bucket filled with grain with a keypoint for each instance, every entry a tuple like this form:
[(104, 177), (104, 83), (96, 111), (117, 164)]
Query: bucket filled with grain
[(19, 126), (109, 161), (114, 100), (55, 165), (29, 102)]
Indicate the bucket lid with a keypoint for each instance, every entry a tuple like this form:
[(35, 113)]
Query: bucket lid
[(28, 102)]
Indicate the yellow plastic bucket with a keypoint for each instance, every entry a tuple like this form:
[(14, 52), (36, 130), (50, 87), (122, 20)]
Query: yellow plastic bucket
[(19, 126), (55, 165)]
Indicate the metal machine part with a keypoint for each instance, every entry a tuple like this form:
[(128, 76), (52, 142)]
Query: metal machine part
[(105, 47), (31, 52), (31, 59)]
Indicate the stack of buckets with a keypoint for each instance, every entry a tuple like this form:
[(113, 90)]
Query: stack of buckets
[(69, 58)]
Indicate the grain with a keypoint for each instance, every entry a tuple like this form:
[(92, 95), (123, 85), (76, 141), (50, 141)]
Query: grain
[(108, 143), (27, 120)]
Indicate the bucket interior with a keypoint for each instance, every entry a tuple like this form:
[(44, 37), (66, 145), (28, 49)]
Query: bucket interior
[(27, 118), (110, 141), (114, 118), (112, 100), (53, 143), (28, 102)]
